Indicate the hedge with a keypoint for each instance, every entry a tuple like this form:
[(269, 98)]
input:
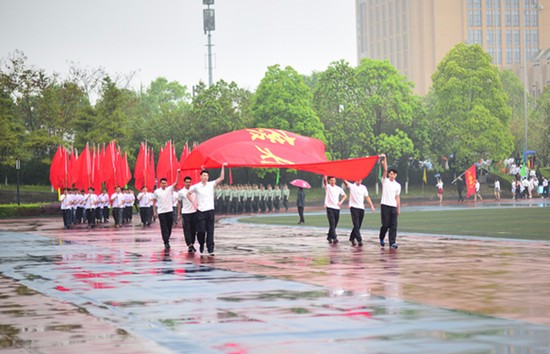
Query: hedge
[(26, 210)]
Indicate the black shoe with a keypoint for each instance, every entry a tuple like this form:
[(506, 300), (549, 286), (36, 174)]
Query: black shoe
[(360, 244), (166, 245), (353, 243), (329, 240), (394, 246), (193, 248), (335, 241), (190, 249), (382, 244), (201, 248)]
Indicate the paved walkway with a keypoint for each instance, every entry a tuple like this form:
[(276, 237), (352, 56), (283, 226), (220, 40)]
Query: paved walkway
[(267, 290)]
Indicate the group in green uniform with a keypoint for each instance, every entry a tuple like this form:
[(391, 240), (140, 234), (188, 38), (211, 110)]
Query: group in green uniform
[(251, 199)]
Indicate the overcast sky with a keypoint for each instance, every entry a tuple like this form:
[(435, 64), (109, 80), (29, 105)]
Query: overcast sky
[(166, 37)]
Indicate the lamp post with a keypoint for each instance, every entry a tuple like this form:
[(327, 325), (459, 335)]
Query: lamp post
[(17, 168), (525, 88), (209, 26)]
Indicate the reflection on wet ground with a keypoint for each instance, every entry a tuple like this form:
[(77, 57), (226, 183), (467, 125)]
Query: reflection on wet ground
[(268, 290)]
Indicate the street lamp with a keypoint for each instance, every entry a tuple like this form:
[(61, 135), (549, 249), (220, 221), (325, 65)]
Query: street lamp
[(209, 24), (17, 168)]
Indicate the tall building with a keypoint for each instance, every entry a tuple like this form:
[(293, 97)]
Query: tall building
[(415, 35)]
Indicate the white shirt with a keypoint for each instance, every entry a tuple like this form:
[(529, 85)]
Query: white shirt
[(390, 191), (103, 200), (91, 202), (187, 206), (117, 200), (332, 196), (497, 185), (164, 200), (144, 199), (477, 186), (65, 201), (151, 197), (205, 195), (357, 194), (175, 199)]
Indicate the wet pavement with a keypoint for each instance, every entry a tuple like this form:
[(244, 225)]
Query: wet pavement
[(268, 290)]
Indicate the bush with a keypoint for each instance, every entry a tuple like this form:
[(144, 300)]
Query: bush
[(27, 210)]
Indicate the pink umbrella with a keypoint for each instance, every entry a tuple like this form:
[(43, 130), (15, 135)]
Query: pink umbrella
[(300, 183)]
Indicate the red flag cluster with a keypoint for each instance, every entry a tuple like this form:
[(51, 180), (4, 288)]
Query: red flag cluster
[(144, 171), (94, 167)]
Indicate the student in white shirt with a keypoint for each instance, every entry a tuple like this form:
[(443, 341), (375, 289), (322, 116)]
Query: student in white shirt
[(188, 212), (145, 209), (162, 207), (204, 202), (358, 193), (66, 208), (390, 203), (332, 205), (117, 202)]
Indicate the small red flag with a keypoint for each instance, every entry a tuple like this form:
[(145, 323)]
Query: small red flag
[(470, 180)]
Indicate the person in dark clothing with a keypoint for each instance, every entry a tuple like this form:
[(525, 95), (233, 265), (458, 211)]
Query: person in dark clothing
[(459, 188), (301, 203)]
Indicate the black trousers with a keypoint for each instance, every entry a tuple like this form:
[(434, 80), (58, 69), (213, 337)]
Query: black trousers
[(145, 215), (67, 217), (389, 222), (333, 216), (301, 213), (189, 222), (117, 215), (357, 216), (166, 221), (105, 213), (205, 227), (90, 215), (285, 203)]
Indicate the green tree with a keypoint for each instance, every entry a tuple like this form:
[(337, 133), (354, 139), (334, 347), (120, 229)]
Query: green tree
[(11, 130), (541, 118), (112, 118), (337, 100), (468, 108), (515, 95), (218, 109), (283, 101), (163, 114), (388, 99)]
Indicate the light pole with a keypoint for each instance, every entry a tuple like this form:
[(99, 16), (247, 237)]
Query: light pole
[(17, 168), (209, 26), (525, 88)]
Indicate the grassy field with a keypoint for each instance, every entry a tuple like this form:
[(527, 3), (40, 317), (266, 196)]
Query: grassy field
[(519, 223)]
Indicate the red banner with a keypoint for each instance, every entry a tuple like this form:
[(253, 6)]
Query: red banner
[(470, 180), (260, 147)]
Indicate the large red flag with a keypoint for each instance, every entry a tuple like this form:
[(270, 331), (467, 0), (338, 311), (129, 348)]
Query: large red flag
[(127, 174), (470, 180), (150, 179), (97, 171), (59, 168), (84, 175), (73, 168), (110, 167), (139, 169), (261, 147), (168, 163)]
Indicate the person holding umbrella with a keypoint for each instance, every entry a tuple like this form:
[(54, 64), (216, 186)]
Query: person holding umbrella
[(300, 197)]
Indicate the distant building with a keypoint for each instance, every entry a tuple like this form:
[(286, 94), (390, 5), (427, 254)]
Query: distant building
[(415, 35)]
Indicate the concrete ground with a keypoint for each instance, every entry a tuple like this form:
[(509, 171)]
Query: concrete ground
[(268, 290)]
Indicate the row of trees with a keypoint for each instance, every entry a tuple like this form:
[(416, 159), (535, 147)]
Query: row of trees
[(474, 111)]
